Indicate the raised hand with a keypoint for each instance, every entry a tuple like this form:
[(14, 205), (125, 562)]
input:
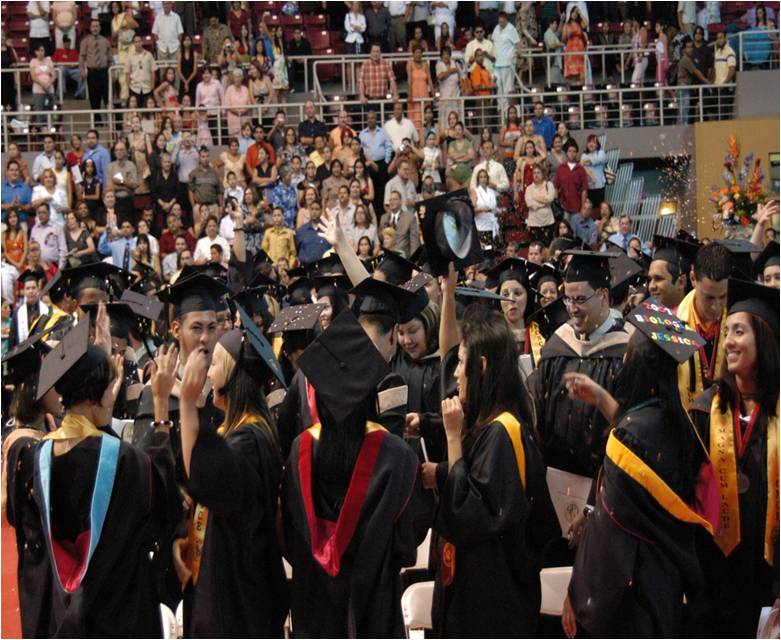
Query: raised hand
[(164, 372), (194, 377)]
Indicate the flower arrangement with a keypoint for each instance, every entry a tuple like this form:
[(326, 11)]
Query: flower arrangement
[(743, 189)]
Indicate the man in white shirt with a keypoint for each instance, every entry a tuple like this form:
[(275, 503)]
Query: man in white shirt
[(506, 41), (724, 67), (404, 186), (38, 14), (45, 159), (480, 42), (399, 127), (687, 16), (497, 176), (400, 12), (168, 29), (344, 210)]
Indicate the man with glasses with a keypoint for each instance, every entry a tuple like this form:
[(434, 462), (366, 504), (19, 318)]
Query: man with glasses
[(480, 42), (573, 434)]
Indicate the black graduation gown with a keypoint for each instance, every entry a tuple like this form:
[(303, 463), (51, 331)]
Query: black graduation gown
[(118, 596), (362, 598), (574, 433), (295, 417), (241, 591), (738, 585), (423, 381), (499, 531), (636, 561)]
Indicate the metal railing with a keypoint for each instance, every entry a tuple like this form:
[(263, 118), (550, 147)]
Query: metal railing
[(583, 109), (759, 46), (59, 82)]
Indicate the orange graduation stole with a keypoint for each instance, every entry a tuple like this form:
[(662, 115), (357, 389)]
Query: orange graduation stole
[(535, 343), (724, 458)]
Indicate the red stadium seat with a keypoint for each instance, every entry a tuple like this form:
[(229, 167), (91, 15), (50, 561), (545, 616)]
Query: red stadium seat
[(290, 21), (314, 19), (713, 29), (318, 38), (18, 25), (327, 71), (15, 9)]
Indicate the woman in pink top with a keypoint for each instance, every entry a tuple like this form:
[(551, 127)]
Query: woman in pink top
[(42, 74), (237, 97)]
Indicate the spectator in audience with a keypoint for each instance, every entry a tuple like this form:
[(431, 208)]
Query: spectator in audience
[(404, 224), (205, 185), (539, 196), (404, 186), (169, 263), (209, 93), (378, 23), (529, 135), (484, 201), (523, 175), (49, 236), (431, 155), (214, 36), (687, 73), (118, 243), (79, 242), (702, 54), (376, 78), (480, 41), (553, 44), (311, 127), (38, 15), (167, 29), (235, 100), (543, 124), (52, 195), (506, 40), (123, 180), (7, 81), (556, 156), (99, 155), (724, 67), (283, 195), (310, 247), (123, 31), (445, 38), (280, 82), (420, 87), (279, 241), (443, 13), (140, 70), (188, 63), (45, 159), (497, 176), (460, 158), (331, 184), (300, 46), (624, 235), (343, 210), (14, 240), (488, 14), (418, 39), (237, 16), (16, 193), (400, 13), (574, 36), (536, 254), (482, 82), (639, 60), (378, 151), (583, 227), (62, 177), (571, 183), (398, 127), (448, 75), (337, 134), (594, 162), (13, 153), (362, 226), (290, 148), (94, 60), (687, 16), (354, 27), (42, 76), (174, 228), (211, 236), (76, 152)]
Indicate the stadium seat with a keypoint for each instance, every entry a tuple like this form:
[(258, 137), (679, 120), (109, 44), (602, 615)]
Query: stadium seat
[(314, 19), (554, 583), (318, 38), (416, 605), (18, 26), (290, 21)]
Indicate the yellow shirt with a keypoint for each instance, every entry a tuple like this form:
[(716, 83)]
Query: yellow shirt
[(280, 243)]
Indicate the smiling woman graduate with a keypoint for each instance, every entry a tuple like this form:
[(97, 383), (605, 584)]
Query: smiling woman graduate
[(738, 418)]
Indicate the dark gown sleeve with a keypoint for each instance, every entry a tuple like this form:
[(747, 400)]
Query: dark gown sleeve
[(289, 417), (393, 419), (19, 465), (413, 522), (483, 498), (166, 499), (224, 471)]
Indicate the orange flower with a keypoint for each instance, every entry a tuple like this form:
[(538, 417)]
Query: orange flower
[(734, 148)]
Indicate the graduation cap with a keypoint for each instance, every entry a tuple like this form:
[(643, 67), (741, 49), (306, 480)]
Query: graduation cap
[(199, 292), (662, 327), (419, 258), (248, 345), (544, 272), (146, 307), (299, 290), (768, 258), (253, 300), (550, 317), (447, 223), (32, 275), (301, 317), (120, 316), (589, 266), (24, 359), (382, 298), (756, 299), (395, 268), (327, 285), (55, 287), (516, 269), (677, 252), (343, 366), (97, 275), (623, 270), (261, 257), (211, 269), (740, 252), (262, 280), (330, 265), (416, 282), (687, 237), (61, 358)]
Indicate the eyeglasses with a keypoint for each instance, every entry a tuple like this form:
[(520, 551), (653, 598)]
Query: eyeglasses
[(579, 301)]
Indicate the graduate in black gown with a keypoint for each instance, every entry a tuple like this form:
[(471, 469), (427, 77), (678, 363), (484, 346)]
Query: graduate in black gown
[(495, 516), (637, 558), (738, 419), (346, 513), (235, 581), (63, 307), (96, 506)]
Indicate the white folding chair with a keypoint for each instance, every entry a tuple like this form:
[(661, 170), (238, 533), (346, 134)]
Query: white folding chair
[(169, 623), (416, 606), (421, 559), (180, 619), (554, 582)]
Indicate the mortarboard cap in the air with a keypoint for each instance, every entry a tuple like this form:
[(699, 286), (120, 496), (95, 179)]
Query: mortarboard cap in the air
[(756, 299), (249, 347), (589, 266), (343, 366), (770, 257), (447, 223), (662, 327), (395, 268), (330, 265), (199, 292), (301, 317), (62, 357), (146, 307)]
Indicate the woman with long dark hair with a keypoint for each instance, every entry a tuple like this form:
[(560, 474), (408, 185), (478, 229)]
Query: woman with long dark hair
[(346, 513), (738, 418), (511, 280), (641, 532), (232, 570), (495, 516)]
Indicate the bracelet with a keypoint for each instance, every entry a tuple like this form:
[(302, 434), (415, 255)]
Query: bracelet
[(162, 423), (587, 510)]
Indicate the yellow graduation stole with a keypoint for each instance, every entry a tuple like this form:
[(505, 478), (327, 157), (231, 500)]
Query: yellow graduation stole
[(55, 316), (196, 529), (634, 466), (513, 429), (536, 342), (688, 313), (724, 459), (74, 425)]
